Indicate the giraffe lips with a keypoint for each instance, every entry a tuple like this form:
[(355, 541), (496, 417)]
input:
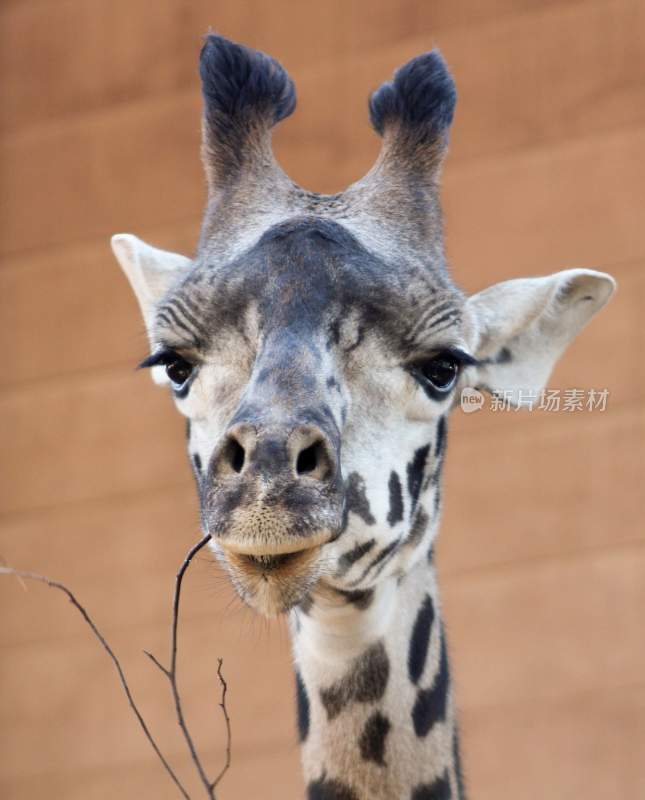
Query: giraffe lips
[(273, 556), (272, 563), (254, 542), (280, 565), (272, 583)]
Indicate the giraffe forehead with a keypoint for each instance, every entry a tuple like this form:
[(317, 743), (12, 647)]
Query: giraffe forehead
[(312, 274)]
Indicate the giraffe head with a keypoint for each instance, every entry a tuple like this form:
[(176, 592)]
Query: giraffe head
[(316, 344)]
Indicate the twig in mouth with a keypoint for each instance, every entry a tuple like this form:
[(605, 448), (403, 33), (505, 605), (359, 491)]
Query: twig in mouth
[(171, 673)]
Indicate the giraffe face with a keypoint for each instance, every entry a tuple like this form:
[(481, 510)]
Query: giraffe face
[(316, 343), (315, 425)]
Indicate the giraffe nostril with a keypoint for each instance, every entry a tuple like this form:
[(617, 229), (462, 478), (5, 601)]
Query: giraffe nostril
[(308, 459), (314, 462), (302, 454), (235, 455)]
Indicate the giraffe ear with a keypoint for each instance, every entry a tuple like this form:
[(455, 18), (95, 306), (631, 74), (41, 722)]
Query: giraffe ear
[(151, 272), (524, 325)]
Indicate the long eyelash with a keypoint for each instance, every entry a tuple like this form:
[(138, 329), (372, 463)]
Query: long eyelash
[(464, 358), (160, 358)]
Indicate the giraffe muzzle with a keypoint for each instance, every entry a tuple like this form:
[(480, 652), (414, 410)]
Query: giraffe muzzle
[(275, 500), (274, 489), (272, 584)]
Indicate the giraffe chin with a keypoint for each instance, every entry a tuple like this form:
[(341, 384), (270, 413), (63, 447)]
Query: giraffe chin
[(272, 584)]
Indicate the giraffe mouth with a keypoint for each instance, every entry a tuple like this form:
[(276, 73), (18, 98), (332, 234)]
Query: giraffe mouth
[(272, 583), (271, 563), (273, 555), (265, 543)]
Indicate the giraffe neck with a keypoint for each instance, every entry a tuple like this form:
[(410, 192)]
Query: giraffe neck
[(375, 708)]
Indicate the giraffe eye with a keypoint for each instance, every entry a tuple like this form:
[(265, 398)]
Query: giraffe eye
[(178, 370), (441, 372), (438, 375)]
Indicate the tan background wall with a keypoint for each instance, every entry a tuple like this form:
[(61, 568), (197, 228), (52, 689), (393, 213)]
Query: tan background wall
[(542, 551)]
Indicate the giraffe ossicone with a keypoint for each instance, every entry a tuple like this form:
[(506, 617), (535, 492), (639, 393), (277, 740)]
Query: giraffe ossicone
[(316, 345)]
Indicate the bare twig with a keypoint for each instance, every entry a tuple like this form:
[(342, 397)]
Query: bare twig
[(157, 663), (171, 674), (227, 720), (3, 563), (55, 585)]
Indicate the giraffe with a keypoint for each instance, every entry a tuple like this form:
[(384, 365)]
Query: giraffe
[(316, 345)]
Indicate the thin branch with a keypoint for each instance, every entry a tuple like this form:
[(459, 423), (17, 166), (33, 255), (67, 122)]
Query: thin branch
[(157, 663), (171, 673), (227, 720), (3, 563), (55, 585)]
